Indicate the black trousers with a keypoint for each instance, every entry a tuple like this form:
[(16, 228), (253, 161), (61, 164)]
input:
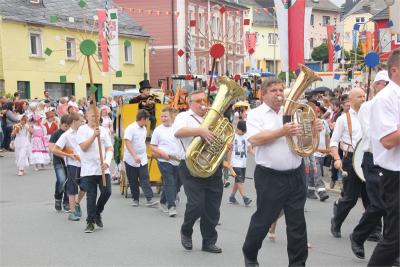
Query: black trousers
[(372, 217), (277, 190), (353, 187), (387, 250), (204, 197)]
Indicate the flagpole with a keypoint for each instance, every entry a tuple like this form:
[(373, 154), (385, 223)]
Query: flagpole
[(287, 79)]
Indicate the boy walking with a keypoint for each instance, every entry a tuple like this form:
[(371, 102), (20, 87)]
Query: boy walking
[(238, 158)]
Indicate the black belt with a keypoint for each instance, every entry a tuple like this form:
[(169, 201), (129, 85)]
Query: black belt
[(286, 172), (390, 172)]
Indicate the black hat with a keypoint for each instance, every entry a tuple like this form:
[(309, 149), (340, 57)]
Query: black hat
[(242, 126), (144, 84)]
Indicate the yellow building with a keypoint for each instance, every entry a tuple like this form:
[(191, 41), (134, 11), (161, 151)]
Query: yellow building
[(26, 34), (267, 46)]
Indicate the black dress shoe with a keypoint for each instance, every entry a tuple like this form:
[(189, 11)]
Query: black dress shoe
[(334, 229), (250, 263), (375, 237), (211, 249), (186, 242), (357, 249)]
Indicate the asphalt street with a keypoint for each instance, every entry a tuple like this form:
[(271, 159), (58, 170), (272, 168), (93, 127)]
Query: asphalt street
[(34, 234)]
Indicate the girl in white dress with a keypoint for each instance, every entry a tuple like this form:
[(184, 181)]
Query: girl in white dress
[(21, 144), (106, 121)]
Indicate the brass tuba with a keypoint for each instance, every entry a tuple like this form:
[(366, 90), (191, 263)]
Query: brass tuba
[(303, 114), (203, 159)]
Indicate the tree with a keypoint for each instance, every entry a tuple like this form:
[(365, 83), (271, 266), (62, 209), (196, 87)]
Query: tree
[(320, 53), (282, 76)]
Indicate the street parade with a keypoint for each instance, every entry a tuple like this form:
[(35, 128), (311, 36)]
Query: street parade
[(199, 132)]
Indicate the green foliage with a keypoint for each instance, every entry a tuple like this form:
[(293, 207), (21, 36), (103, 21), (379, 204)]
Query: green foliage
[(7, 95), (320, 53), (282, 76)]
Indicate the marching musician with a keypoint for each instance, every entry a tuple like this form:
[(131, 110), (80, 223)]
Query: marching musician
[(204, 195), (91, 170), (279, 176), (346, 135), (146, 101), (370, 222), (385, 138)]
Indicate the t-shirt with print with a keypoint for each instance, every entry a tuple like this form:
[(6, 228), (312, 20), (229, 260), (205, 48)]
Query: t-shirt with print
[(239, 151), (53, 139)]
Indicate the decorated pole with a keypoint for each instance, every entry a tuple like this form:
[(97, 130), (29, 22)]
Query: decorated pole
[(216, 51), (88, 49), (371, 60)]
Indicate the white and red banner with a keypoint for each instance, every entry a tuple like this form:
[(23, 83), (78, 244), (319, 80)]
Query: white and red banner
[(101, 21), (291, 15), (113, 39), (331, 43), (307, 32)]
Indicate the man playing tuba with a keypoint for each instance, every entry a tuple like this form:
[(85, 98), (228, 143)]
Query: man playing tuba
[(279, 176)]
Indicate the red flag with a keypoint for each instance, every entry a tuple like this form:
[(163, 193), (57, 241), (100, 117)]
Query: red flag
[(331, 39), (250, 42), (296, 34)]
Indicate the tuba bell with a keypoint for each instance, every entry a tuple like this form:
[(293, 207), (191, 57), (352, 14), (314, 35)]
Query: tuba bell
[(202, 158), (303, 114)]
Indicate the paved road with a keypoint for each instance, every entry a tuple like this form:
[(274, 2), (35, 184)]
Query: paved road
[(34, 234)]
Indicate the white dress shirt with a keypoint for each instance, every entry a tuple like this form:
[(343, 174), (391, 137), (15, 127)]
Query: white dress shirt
[(90, 162), (322, 139), (163, 137), (341, 132), (182, 120), (137, 137), (70, 139), (364, 116), (277, 154), (385, 119)]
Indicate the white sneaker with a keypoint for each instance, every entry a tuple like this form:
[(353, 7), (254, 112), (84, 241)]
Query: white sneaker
[(151, 203), (135, 203), (172, 212), (163, 208)]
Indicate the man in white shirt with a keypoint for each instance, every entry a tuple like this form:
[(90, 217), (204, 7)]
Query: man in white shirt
[(385, 138), (165, 147), (370, 224), (279, 176), (204, 195), (135, 158), (91, 169), (346, 135)]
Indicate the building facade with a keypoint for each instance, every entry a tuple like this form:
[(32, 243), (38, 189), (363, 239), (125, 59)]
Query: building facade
[(27, 66), (183, 31)]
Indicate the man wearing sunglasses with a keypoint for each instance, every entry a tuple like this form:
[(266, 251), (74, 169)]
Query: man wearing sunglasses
[(203, 194)]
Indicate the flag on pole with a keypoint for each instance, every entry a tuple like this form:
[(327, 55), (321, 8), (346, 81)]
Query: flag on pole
[(101, 22), (331, 43), (290, 16), (113, 39)]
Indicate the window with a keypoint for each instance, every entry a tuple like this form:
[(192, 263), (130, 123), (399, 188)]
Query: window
[(202, 66), (71, 48), (57, 90), (238, 67), (202, 23), (397, 39), (128, 53), (230, 68), (218, 29), (237, 30), (23, 89), (312, 20), (326, 20), (324, 40), (360, 20), (272, 38), (230, 28), (36, 44), (99, 55), (123, 87), (2, 91), (311, 42)]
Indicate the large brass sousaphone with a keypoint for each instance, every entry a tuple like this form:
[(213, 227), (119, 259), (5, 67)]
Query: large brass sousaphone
[(303, 114)]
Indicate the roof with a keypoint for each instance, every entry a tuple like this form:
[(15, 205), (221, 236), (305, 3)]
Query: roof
[(24, 11), (259, 18), (367, 6), (384, 14), (229, 3), (324, 5)]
